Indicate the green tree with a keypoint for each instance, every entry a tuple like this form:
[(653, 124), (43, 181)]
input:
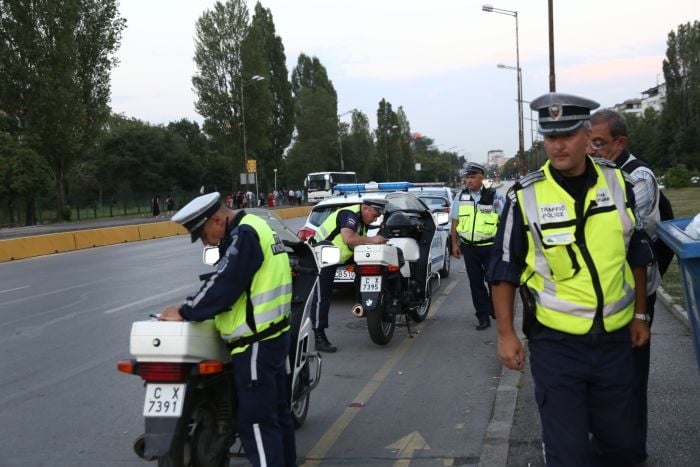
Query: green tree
[(682, 110), (55, 64), (387, 133), (272, 117), (316, 118), (359, 152), (406, 164), (219, 34)]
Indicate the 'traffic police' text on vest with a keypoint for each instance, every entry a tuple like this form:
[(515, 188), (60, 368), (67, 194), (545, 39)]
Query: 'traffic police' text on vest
[(269, 295), (577, 267), (478, 222), (329, 231)]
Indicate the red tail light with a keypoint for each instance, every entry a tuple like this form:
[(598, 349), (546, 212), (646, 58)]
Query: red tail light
[(369, 269), (305, 233), (163, 372)]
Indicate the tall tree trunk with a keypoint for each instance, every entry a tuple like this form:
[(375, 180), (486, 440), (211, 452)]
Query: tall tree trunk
[(30, 211)]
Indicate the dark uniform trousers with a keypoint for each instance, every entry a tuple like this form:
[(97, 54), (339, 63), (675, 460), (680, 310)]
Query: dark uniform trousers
[(641, 380), (476, 260), (584, 384), (319, 317), (265, 423)]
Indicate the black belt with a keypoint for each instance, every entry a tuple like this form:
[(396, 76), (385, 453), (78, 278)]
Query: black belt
[(264, 334)]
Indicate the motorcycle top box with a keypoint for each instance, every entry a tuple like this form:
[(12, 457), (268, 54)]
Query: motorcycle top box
[(176, 341), (376, 254)]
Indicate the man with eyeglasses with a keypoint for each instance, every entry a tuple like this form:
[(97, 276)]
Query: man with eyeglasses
[(609, 140), (568, 237)]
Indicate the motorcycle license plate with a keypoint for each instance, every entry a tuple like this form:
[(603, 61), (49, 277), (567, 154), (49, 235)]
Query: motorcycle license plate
[(344, 275), (164, 400), (371, 284)]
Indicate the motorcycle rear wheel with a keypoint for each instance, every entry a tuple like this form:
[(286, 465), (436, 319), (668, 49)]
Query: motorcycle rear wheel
[(300, 407), (379, 325), (199, 444)]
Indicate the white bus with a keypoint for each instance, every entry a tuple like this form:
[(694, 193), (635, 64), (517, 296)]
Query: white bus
[(321, 185)]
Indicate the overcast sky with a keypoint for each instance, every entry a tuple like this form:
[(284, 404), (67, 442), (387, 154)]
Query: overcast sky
[(435, 58)]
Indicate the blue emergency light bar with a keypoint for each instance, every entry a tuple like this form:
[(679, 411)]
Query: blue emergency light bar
[(371, 187)]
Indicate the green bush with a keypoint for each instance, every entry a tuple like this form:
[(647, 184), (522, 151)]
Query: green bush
[(678, 176)]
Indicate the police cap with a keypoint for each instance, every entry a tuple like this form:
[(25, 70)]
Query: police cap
[(472, 168), (195, 213), (378, 204), (562, 114)]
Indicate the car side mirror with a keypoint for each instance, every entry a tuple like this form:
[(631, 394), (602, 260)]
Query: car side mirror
[(328, 255), (443, 218)]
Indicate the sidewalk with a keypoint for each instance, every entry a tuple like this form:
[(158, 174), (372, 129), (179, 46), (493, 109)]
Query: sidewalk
[(513, 438)]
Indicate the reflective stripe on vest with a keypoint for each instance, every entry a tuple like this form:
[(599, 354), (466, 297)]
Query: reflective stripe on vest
[(270, 289), (477, 222), (557, 272), (330, 225)]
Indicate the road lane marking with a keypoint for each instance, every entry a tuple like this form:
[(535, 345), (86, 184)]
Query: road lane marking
[(318, 452), (147, 299), (16, 288)]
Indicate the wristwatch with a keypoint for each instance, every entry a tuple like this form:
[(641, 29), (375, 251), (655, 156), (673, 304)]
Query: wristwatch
[(642, 316)]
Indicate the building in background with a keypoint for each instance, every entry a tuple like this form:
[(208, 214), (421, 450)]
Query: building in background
[(495, 157), (654, 97)]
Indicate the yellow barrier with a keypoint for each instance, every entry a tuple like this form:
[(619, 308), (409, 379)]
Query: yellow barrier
[(38, 245)]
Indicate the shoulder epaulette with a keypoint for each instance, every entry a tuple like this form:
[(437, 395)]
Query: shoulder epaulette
[(529, 179), (604, 162)]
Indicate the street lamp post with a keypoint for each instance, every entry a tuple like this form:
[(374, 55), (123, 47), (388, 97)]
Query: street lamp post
[(245, 149), (275, 170), (521, 125), (521, 138)]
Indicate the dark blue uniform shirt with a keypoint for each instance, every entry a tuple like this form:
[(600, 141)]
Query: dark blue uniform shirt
[(233, 276)]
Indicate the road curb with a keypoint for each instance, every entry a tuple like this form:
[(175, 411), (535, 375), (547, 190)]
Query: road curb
[(675, 310)]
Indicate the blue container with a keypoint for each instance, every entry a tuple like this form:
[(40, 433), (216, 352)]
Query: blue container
[(687, 249)]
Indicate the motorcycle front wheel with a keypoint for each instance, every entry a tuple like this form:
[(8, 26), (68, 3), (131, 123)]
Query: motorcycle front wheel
[(380, 325), (300, 405), (420, 312)]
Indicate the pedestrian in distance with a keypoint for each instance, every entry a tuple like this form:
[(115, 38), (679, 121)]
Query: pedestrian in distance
[(475, 211), (609, 141), (252, 284), (345, 228), (155, 206), (570, 240), (170, 205)]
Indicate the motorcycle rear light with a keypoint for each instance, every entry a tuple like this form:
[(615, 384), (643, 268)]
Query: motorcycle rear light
[(393, 268), (126, 366), (210, 367), (162, 372), (369, 270)]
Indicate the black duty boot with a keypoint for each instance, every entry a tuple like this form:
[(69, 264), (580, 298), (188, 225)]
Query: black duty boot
[(322, 342), (484, 323)]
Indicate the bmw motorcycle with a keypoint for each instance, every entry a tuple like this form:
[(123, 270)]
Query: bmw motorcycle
[(397, 278), (190, 402)]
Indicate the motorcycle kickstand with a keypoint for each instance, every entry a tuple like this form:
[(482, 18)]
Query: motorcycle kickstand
[(408, 326)]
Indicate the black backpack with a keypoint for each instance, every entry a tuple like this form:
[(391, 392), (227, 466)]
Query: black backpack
[(664, 255)]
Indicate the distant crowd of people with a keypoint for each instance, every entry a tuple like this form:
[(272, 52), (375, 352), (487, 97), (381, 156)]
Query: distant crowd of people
[(276, 198)]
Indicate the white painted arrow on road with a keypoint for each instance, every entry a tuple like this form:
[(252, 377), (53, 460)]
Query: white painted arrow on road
[(406, 446)]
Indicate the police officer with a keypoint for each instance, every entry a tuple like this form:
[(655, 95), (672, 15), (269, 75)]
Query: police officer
[(345, 228), (475, 213), (568, 236), (249, 298)]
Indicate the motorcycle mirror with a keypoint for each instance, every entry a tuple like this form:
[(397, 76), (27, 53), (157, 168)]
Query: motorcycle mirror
[(330, 255), (210, 255), (443, 218)]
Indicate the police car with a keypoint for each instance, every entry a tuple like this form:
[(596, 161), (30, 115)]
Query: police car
[(352, 194), (438, 198)]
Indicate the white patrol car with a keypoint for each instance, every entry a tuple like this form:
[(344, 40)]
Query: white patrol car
[(352, 194)]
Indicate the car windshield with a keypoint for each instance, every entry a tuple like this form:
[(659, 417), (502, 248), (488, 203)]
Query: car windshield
[(321, 213), (404, 201), (435, 202)]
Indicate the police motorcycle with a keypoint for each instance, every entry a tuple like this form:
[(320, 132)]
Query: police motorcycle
[(190, 401), (398, 278)]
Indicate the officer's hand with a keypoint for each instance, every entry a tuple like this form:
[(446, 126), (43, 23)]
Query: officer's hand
[(378, 239), (456, 251), (171, 313), (510, 351), (640, 332)]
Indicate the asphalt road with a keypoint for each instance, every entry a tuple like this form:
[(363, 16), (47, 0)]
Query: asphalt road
[(425, 400)]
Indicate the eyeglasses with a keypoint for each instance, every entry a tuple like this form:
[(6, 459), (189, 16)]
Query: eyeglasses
[(599, 144)]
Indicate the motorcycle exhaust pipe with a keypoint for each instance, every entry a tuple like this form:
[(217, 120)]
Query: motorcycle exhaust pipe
[(140, 448), (358, 310)]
